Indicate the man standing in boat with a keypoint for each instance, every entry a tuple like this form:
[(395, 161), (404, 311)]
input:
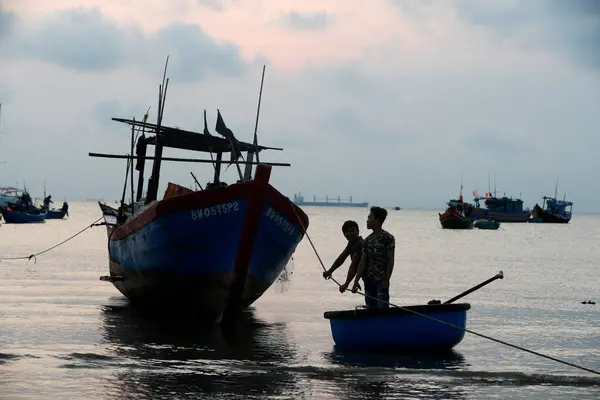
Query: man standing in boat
[(377, 261), (352, 249)]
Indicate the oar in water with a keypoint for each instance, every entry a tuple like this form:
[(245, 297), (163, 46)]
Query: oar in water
[(499, 275)]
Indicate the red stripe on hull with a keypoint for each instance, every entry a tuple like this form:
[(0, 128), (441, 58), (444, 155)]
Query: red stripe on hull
[(206, 198)]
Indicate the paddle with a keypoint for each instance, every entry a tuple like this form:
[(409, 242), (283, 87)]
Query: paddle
[(499, 275)]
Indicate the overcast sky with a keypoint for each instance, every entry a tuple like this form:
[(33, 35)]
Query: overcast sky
[(389, 101)]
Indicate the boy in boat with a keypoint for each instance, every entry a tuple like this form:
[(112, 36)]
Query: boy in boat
[(352, 249), (377, 261)]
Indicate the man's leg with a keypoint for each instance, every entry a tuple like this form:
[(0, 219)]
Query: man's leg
[(371, 293), (383, 298)]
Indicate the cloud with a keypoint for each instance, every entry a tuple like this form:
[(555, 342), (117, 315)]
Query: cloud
[(217, 5), (85, 40), (6, 22), (306, 21), (570, 28), (490, 143), (391, 110), (193, 54), (81, 39)]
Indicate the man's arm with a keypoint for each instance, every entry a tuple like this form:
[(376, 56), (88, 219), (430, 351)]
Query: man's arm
[(337, 263), (391, 251), (351, 271), (361, 270)]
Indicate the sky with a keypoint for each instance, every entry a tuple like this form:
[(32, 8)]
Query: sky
[(393, 102)]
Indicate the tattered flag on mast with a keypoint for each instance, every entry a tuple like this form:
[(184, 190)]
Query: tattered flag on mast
[(224, 131)]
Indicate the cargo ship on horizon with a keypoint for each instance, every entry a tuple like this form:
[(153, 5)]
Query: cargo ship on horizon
[(329, 202)]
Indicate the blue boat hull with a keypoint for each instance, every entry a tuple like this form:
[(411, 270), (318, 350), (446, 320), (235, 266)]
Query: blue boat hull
[(17, 217), (56, 214), (482, 213), (398, 330), (206, 251)]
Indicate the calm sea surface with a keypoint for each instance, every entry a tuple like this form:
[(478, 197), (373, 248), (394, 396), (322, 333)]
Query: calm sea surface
[(64, 334)]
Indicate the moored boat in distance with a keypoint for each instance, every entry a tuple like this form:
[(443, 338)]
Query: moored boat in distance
[(500, 209), (553, 211), (329, 202), (10, 196), (13, 216), (486, 224), (457, 215), (213, 251)]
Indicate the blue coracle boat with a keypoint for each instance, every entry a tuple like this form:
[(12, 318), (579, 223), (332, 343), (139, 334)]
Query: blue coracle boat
[(212, 251), (433, 327), (23, 217), (399, 330)]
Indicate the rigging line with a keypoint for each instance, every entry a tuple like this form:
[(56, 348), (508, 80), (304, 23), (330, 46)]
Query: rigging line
[(440, 321), (55, 246)]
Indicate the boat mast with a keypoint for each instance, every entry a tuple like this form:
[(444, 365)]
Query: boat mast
[(158, 147), (141, 162), (1, 162), (248, 171)]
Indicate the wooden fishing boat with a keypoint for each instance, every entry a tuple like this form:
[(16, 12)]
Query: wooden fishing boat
[(487, 224), (501, 209), (457, 215), (553, 211), (58, 213), (31, 216), (397, 329), (213, 251)]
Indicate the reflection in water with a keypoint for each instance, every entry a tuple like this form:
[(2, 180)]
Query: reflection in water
[(169, 357), (443, 361), (381, 375)]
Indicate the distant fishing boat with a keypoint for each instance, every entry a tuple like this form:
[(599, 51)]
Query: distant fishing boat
[(500, 209), (213, 251), (457, 215), (329, 202), (58, 213), (54, 213), (553, 211), (12, 216), (488, 224), (10, 196)]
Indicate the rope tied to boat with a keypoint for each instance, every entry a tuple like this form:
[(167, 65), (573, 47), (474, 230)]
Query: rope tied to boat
[(34, 255), (438, 320)]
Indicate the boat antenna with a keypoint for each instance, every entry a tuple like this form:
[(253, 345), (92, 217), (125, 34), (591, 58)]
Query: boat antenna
[(196, 180), (556, 188), (248, 171)]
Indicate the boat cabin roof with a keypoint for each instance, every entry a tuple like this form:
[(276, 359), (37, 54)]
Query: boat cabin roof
[(189, 140), (562, 203), (10, 189)]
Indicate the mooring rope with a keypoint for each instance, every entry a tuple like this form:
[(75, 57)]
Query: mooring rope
[(438, 320), (34, 255)]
